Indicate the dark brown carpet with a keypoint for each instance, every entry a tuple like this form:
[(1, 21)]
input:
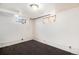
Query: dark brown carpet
[(32, 47)]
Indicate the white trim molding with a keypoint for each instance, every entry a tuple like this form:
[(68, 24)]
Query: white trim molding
[(13, 42), (66, 48)]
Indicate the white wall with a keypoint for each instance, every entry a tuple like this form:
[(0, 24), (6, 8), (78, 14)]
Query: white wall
[(11, 31), (63, 33)]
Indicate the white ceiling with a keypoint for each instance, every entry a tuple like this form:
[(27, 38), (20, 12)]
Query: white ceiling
[(43, 8), (65, 6)]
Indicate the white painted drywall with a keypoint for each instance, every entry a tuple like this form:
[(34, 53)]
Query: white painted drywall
[(64, 32), (11, 31)]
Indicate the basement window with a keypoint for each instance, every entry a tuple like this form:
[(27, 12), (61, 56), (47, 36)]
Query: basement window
[(20, 19)]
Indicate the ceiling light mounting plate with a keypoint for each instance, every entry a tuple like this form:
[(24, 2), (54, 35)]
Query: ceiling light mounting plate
[(34, 5)]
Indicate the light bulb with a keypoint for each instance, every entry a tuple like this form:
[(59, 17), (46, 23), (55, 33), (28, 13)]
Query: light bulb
[(34, 7)]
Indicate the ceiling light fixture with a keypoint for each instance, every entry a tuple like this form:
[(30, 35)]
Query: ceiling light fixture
[(34, 6)]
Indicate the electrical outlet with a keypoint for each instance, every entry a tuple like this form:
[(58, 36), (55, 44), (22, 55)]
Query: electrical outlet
[(70, 47), (22, 39)]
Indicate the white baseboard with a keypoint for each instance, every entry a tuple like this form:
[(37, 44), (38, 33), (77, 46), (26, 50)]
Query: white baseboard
[(66, 48), (13, 42)]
